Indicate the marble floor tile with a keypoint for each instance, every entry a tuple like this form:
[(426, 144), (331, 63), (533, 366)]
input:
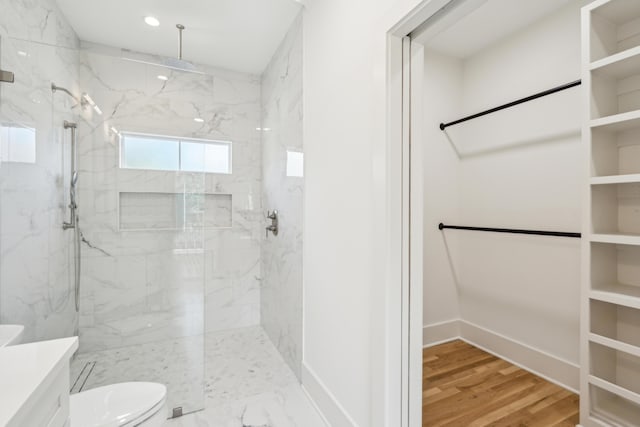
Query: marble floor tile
[(177, 363), (242, 363), (281, 407), (237, 376)]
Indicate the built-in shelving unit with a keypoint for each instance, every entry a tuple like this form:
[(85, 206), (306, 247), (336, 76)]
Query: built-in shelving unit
[(610, 337)]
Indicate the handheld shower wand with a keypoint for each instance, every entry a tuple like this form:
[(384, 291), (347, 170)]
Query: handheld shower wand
[(74, 178), (73, 218)]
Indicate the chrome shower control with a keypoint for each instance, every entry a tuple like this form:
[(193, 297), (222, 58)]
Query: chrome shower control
[(273, 216)]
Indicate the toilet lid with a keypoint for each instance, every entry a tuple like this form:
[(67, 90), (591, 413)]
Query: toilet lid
[(116, 404)]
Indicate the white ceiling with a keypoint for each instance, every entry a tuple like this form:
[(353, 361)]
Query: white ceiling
[(240, 35), (477, 24)]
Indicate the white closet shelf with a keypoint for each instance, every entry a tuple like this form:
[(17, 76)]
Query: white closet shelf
[(626, 295), (616, 238), (617, 122), (620, 65), (615, 344), (616, 179), (615, 389)]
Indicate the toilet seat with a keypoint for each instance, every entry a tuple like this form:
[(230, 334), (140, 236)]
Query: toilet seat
[(117, 405)]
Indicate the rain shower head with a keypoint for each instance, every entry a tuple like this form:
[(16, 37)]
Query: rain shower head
[(179, 63), (173, 63)]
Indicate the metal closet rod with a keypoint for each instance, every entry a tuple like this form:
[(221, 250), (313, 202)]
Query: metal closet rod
[(443, 126), (442, 226)]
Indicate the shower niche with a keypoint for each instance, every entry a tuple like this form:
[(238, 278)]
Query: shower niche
[(140, 211)]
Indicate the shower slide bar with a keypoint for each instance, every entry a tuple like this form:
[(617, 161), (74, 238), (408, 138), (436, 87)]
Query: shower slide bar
[(442, 226), (560, 88)]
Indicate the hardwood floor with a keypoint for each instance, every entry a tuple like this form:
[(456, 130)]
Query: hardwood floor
[(464, 386)]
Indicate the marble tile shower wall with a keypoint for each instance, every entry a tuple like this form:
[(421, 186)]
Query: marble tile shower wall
[(281, 302), (35, 253), (145, 285)]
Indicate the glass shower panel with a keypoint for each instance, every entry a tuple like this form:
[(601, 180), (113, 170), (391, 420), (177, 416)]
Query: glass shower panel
[(142, 315), (141, 295), (35, 286)]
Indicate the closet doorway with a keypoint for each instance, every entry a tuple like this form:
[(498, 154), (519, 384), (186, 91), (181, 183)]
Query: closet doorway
[(494, 178)]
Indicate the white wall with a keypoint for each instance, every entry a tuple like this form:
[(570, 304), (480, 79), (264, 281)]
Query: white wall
[(518, 168), (345, 211), (442, 100), (338, 244), (521, 168)]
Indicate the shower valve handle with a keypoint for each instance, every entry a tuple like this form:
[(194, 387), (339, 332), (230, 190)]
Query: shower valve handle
[(273, 216)]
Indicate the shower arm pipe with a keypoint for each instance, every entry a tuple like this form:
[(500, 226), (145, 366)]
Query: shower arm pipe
[(55, 88), (72, 183), (180, 28)]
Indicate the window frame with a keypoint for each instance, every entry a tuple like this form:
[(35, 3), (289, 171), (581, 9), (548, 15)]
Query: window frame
[(121, 155)]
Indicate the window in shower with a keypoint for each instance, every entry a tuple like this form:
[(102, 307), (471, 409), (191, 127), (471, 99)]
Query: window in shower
[(17, 144), (295, 163), (166, 153)]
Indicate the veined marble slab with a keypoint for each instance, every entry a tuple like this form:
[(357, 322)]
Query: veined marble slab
[(35, 253), (191, 275), (281, 256)]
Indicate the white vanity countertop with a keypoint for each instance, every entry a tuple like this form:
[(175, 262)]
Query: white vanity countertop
[(24, 368)]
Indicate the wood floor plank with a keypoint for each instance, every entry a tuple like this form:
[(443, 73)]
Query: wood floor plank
[(468, 378), (464, 386), (465, 406)]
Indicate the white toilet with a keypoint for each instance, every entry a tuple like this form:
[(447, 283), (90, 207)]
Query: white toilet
[(10, 335), (120, 405)]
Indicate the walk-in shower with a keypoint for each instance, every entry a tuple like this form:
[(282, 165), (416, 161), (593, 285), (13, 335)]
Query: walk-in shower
[(163, 174)]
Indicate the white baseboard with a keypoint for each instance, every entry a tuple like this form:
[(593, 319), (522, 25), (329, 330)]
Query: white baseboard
[(332, 411), (556, 370), (439, 333), (315, 405)]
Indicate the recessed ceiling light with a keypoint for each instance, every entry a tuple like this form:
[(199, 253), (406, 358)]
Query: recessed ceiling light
[(199, 120), (22, 53), (150, 20), (164, 78)]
